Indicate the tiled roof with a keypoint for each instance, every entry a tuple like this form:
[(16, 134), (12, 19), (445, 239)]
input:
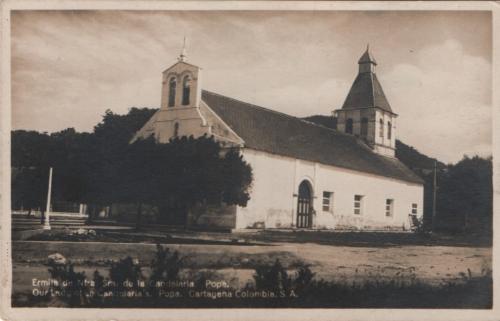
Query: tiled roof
[(277, 133), (366, 92)]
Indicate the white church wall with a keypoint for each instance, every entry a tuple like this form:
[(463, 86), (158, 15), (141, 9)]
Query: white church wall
[(384, 142), (375, 190), (271, 202), (188, 119), (274, 195)]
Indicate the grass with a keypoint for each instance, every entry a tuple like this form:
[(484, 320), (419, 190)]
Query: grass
[(371, 239), (129, 237), (259, 237)]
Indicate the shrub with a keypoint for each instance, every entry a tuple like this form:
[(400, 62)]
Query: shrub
[(276, 278), (164, 267), (125, 274), (304, 278), (420, 227), (99, 288), (272, 278), (70, 284), (294, 286)]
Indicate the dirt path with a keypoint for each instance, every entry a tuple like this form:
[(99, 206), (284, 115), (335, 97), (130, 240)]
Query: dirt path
[(430, 263), (433, 264)]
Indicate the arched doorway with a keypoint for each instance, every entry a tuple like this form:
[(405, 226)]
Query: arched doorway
[(304, 205)]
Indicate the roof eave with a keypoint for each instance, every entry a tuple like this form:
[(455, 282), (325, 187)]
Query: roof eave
[(377, 107)]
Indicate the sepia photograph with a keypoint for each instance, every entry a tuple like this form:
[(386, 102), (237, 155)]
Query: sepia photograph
[(174, 159)]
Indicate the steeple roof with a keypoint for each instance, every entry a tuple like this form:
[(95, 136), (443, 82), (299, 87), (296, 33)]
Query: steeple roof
[(367, 57), (366, 91)]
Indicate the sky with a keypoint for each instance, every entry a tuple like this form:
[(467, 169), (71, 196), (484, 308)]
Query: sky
[(69, 67)]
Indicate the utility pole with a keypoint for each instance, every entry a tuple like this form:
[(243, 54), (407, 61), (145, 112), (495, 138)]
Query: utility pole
[(434, 188), (46, 225)]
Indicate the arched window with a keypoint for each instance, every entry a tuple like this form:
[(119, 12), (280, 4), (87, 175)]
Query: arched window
[(389, 130), (381, 128), (364, 126), (176, 129), (186, 89), (171, 91), (348, 126)]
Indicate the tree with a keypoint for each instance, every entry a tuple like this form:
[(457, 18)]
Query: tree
[(103, 167), (237, 179), (29, 149), (465, 196), (202, 174), (30, 161), (29, 188), (111, 138), (138, 170), (69, 152), (185, 173), (85, 164)]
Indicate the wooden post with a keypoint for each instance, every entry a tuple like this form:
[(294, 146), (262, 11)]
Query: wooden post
[(46, 225), (434, 187)]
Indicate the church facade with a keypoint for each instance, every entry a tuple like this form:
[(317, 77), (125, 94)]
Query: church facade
[(306, 176)]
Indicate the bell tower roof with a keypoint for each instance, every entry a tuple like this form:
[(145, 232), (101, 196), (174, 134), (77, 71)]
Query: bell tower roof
[(367, 57), (366, 91)]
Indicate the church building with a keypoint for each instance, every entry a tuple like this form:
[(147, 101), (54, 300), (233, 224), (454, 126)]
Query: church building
[(306, 176)]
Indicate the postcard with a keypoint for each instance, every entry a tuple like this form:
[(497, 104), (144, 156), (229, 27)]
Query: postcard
[(248, 160)]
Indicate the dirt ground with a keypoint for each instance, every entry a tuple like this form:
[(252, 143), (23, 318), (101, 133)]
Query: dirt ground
[(236, 263)]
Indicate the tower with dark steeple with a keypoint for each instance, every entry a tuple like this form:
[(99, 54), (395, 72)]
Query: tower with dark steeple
[(366, 113)]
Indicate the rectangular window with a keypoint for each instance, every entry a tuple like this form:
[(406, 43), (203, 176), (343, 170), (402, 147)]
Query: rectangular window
[(328, 202), (389, 205), (414, 209), (358, 204)]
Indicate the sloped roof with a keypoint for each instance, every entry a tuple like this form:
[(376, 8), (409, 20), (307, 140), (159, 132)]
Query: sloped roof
[(277, 133), (367, 58), (366, 92)]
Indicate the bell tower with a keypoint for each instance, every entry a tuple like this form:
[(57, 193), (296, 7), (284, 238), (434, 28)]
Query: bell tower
[(181, 85), (179, 113), (366, 113)]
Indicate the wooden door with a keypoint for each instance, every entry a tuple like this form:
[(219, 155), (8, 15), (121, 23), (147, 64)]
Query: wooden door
[(304, 206)]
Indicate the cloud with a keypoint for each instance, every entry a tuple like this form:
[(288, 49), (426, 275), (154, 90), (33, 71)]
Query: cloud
[(444, 101)]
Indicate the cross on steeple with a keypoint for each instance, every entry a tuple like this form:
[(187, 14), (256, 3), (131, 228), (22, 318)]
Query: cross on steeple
[(183, 55)]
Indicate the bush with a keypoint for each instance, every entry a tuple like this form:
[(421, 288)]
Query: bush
[(420, 227), (272, 278), (126, 274), (70, 284), (164, 267), (292, 287), (277, 279), (99, 288), (304, 278), (406, 292)]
